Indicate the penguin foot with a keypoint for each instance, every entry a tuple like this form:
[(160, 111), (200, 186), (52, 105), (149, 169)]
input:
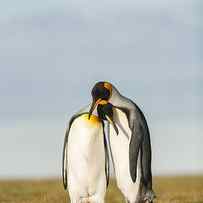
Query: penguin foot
[(149, 196)]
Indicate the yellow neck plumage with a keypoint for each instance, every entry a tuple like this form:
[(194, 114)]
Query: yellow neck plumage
[(93, 119)]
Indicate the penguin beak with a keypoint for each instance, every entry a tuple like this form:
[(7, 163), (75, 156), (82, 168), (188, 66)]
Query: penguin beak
[(113, 124), (93, 106)]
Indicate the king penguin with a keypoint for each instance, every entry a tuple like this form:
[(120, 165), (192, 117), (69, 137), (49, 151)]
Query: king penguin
[(85, 156), (131, 149)]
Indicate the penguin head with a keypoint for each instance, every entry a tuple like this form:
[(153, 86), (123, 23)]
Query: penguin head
[(100, 91), (105, 112)]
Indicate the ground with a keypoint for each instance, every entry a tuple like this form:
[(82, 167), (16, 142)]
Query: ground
[(168, 190)]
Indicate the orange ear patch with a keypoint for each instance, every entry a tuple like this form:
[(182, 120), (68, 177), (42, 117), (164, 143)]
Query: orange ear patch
[(108, 86), (103, 102)]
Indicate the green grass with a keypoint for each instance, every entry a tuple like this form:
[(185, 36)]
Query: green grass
[(168, 190)]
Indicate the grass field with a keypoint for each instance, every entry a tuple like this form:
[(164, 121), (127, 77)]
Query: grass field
[(168, 189)]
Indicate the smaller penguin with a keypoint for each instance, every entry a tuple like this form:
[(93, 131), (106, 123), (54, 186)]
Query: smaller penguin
[(85, 155)]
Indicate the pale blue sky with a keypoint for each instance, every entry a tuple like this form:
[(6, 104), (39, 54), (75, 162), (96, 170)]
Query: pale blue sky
[(52, 53)]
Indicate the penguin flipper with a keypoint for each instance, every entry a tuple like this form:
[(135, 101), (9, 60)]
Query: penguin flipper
[(141, 135), (64, 163), (107, 161), (134, 148), (146, 159)]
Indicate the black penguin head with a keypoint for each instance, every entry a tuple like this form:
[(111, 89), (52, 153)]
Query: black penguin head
[(100, 91), (105, 112)]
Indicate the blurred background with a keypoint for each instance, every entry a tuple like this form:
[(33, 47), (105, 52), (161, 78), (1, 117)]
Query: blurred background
[(53, 51)]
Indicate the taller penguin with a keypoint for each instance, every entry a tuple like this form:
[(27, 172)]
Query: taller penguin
[(133, 124)]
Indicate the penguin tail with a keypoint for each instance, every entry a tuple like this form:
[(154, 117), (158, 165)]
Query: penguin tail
[(149, 196)]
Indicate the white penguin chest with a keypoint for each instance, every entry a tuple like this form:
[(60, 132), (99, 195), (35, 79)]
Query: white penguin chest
[(120, 151), (86, 155)]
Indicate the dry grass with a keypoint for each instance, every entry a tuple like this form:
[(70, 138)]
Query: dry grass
[(168, 189)]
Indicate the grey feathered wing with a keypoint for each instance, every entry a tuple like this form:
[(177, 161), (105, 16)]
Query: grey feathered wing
[(140, 144), (134, 148)]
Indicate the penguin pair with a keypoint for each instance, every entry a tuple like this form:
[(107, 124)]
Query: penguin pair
[(131, 149), (85, 154)]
